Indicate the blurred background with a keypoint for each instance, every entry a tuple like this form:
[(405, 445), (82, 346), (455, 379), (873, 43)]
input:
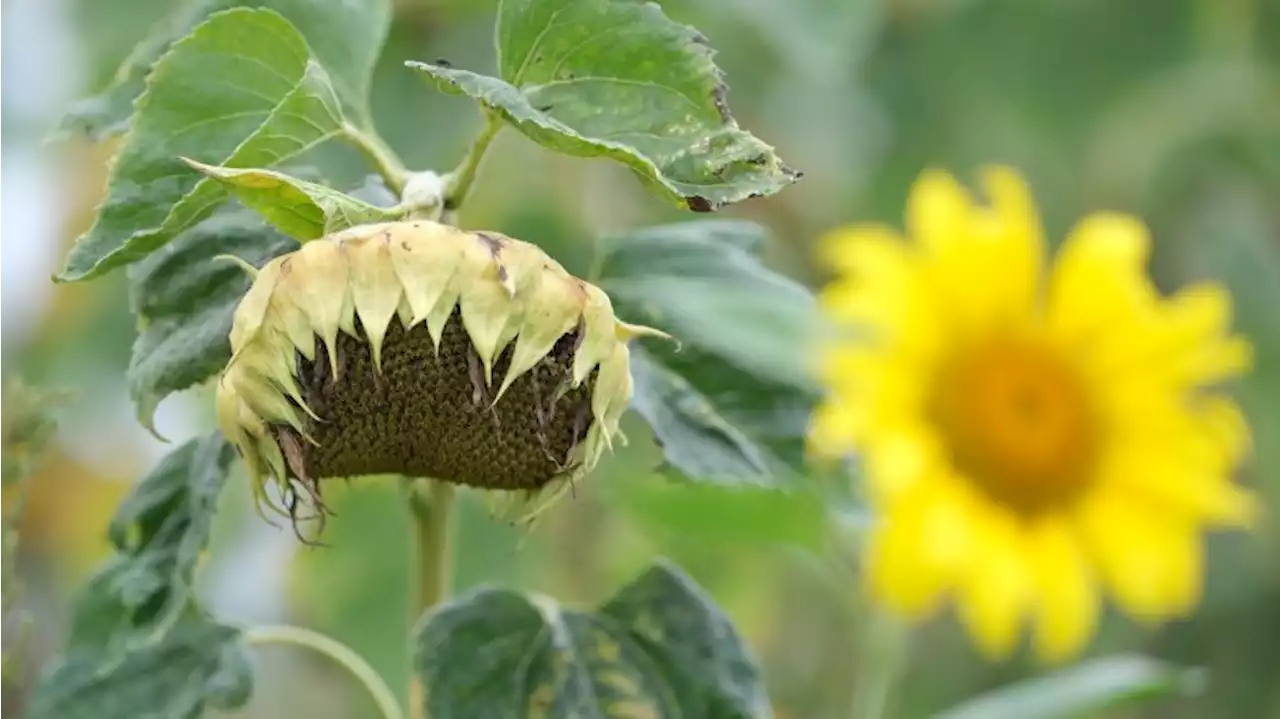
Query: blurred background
[(1166, 108)]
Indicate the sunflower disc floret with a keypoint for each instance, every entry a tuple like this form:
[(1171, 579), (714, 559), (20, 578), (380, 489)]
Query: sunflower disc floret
[(415, 348)]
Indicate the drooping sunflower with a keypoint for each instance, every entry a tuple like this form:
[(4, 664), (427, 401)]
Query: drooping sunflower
[(1033, 436), (416, 348)]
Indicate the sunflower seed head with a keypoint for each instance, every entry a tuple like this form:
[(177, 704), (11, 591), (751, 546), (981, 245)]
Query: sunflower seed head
[(419, 349)]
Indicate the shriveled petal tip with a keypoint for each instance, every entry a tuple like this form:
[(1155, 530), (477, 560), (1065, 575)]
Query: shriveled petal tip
[(627, 332)]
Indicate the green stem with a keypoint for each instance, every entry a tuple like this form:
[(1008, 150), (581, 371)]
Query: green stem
[(379, 154), (458, 183), (430, 504), (337, 651), (881, 658)]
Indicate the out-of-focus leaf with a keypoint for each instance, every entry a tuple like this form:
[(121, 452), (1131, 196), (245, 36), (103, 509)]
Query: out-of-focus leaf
[(730, 516), (1097, 685), (27, 427), (731, 405), (194, 664), (241, 90), (300, 209), (139, 645), (185, 299), (618, 79), (659, 647), (346, 37)]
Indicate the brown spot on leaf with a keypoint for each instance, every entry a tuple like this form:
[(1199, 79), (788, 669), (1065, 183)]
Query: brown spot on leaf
[(698, 203)]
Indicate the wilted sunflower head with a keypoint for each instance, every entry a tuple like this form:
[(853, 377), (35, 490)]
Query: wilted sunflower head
[(418, 349)]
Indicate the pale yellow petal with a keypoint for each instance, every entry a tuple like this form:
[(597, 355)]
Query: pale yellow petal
[(1152, 563), (862, 250), (997, 583), (834, 428), (898, 459), (1066, 594), (1099, 279)]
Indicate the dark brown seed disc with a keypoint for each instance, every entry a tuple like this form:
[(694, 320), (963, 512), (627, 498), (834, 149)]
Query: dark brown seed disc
[(432, 415)]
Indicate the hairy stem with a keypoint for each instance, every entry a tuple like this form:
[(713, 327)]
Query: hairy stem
[(382, 695), (458, 182), (379, 154), (430, 505)]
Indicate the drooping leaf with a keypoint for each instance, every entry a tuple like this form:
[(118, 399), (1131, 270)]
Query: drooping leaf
[(1084, 690), (618, 79), (140, 646), (658, 648), (303, 210), (732, 403), (194, 664), (346, 37), (184, 298), (241, 90)]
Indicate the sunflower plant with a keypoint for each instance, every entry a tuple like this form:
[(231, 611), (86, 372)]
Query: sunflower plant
[(353, 334)]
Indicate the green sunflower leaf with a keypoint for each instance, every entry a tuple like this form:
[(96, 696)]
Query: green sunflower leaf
[(731, 404), (184, 298), (659, 647), (139, 644), (303, 210), (618, 79), (346, 38), (1103, 684), (241, 90)]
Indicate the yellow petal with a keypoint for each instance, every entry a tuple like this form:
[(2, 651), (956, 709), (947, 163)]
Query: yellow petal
[(1017, 240), (913, 557), (1098, 280), (1152, 563), (862, 250), (939, 210), (996, 584), (834, 428), (1066, 596)]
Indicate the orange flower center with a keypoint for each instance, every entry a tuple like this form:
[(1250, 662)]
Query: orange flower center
[(1017, 422)]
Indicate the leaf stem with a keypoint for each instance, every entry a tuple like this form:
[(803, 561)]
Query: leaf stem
[(881, 658), (430, 504), (379, 154), (458, 182), (337, 651)]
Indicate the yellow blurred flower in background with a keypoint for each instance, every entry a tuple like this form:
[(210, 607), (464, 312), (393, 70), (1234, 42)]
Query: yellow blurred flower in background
[(1031, 435)]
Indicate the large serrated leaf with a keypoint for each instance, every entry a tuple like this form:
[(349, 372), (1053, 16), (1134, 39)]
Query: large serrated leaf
[(303, 210), (139, 644), (618, 79), (346, 37), (732, 404), (241, 90), (658, 648), (184, 298)]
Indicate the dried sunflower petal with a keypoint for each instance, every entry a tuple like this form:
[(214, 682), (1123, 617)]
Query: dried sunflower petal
[(415, 348)]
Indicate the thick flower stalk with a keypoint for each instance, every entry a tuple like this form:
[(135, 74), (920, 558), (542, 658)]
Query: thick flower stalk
[(1032, 435), (418, 349)]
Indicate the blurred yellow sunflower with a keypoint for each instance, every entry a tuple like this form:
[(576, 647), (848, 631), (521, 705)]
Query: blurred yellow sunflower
[(1031, 435)]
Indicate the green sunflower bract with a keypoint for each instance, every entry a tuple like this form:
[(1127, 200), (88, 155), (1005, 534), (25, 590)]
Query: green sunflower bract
[(415, 348)]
